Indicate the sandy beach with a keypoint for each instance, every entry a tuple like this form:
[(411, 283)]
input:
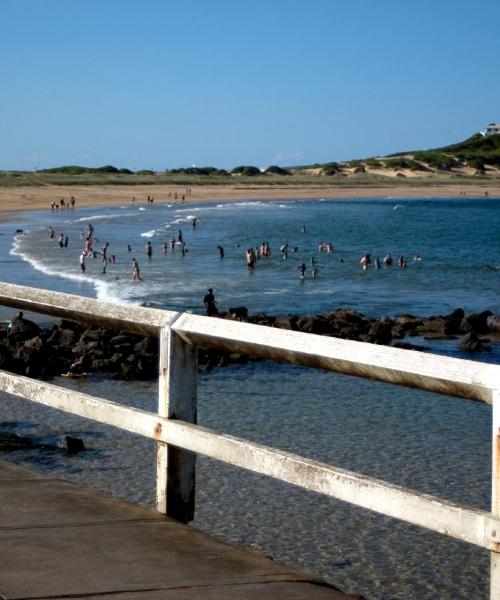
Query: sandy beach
[(39, 198)]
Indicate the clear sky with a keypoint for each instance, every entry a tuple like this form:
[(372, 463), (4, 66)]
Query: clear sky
[(162, 83)]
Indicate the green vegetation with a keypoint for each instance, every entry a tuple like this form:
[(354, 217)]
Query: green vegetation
[(275, 170), (247, 171), (373, 163), (443, 165), (77, 170)]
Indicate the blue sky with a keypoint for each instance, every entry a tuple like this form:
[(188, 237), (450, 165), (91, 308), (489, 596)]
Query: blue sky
[(164, 84)]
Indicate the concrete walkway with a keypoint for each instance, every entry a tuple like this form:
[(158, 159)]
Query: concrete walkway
[(58, 540)]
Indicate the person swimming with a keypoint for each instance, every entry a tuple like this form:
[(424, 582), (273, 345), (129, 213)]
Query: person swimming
[(365, 261), (387, 259)]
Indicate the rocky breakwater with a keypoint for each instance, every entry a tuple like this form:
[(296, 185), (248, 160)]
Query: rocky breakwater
[(73, 349)]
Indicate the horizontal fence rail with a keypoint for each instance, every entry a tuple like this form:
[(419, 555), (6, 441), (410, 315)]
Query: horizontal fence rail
[(179, 438), (469, 525), (445, 375)]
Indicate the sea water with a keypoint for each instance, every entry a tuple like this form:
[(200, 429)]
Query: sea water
[(428, 442), (458, 240)]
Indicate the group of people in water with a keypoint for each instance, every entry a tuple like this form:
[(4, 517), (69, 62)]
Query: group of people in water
[(63, 204), (366, 260), (252, 254)]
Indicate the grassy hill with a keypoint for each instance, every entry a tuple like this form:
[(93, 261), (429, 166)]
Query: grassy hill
[(478, 156)]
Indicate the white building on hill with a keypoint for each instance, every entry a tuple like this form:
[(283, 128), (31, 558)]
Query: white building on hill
[(492, 129)]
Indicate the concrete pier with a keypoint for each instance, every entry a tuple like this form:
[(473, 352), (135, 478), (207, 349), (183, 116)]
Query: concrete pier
[(59, 540)]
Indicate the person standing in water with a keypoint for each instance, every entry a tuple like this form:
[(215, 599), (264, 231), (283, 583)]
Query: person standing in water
[(136, 273), (83, 255), (104, 259), (210, 304), (149, 250), (221, 251)]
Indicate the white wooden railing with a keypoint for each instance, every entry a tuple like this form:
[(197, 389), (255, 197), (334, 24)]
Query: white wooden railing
[(179, 438)]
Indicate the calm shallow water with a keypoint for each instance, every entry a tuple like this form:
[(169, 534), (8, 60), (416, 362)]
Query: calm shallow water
[(431, 443)]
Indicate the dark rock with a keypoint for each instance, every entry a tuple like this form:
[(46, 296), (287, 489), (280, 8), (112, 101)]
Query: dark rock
[(239, 313), (434, 326), (23, 329), (91, 335), (120, 339), (453, 322), (380, 332), (408, 346), (73, 445), (147, 345), (10, 442), (493, 323), (261, 319), (477, 322), (319, 325), (67, 338), (472, 343), (74, 326), (406, 325), (287, 322)]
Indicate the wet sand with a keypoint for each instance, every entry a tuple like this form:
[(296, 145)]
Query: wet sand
[(40, 198)]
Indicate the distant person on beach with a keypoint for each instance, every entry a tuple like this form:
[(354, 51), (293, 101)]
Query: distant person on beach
[(149, 250), (303, 229), (221, 251), (61, 240), (194, 222), (51, 232), (164, 247), (136, 273), (302, 270), (387, 259), (179, 237), (402, 262), (210, 304), (129, 247), (66, 241), (83, 255)]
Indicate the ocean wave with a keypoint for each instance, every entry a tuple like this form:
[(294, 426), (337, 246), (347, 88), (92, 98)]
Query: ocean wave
[(102, 288), (100, 217), (149, 234)]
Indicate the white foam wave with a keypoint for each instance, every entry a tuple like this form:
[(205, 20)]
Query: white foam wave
[(100, 217), (142, 208), (101, 287), (149, 234)]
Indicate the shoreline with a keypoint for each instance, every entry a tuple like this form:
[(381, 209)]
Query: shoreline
[(40, 198)]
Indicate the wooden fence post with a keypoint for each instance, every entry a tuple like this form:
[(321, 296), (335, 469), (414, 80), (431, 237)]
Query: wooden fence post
[(175, 486), (495, 496)]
